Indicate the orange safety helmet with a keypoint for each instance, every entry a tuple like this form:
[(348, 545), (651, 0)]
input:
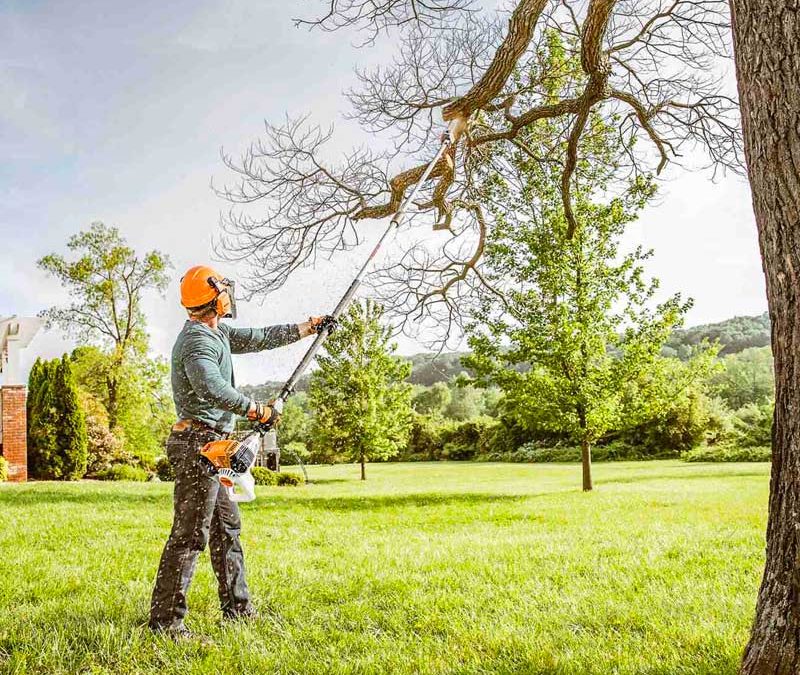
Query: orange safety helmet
[(202, 285)]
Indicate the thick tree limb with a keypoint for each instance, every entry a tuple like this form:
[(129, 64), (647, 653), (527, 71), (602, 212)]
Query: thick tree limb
[(520, 31)]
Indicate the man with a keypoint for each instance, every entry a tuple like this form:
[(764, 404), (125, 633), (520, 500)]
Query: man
[(206, 402)]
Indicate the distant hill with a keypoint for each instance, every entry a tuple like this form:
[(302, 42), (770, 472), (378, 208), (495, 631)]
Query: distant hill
[(735, 335)]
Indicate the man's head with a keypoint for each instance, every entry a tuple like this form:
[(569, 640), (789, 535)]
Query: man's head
[(205, 293)]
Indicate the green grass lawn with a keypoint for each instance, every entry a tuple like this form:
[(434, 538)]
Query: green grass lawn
[(425, 568)]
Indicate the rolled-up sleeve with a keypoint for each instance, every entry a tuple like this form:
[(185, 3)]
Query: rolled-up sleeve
[(201, 363), (244, 340)]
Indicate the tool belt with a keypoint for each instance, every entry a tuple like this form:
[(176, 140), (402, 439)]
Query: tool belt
[(195, 425)]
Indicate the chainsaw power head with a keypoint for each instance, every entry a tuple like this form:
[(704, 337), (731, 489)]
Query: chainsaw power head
[(230, 462)]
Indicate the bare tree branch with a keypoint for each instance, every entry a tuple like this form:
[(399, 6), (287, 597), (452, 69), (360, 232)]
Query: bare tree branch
[(650, 68)]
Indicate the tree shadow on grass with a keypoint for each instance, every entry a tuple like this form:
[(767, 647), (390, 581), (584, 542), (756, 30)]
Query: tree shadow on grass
[(419, 499), (122, 498), (643, 478), (34, 495)]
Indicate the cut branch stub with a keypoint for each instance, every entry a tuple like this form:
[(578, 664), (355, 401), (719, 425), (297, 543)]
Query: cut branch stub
[(443, 169)]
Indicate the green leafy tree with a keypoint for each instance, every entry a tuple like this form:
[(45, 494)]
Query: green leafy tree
[(145, 410), (466, 403), (747, 377), (432, 400), (106, 280), (665, 407), (577, 310), (58, 444), (295, 421), (360, 402)]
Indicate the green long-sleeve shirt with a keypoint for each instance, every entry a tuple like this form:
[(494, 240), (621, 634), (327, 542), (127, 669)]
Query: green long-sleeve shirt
[(203, 386)]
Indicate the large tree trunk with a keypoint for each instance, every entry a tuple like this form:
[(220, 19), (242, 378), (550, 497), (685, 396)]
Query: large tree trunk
[(363, 467), (767, 47)]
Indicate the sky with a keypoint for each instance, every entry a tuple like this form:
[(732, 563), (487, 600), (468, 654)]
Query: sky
[(116, 112)]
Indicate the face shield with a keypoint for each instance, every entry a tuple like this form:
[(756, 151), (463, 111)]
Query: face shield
[(226, 297)]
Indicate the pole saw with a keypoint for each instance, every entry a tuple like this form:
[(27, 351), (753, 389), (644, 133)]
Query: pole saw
[(231, 461)]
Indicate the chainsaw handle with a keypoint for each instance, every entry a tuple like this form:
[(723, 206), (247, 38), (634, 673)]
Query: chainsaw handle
[(244, 481)]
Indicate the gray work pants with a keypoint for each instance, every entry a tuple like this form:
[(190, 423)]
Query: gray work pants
[(202, 514)]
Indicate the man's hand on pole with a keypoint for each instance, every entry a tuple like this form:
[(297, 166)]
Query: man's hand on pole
[(316, 324), (264, 413)]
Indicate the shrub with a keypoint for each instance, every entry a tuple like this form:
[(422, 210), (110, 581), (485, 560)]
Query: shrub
[(424, 441), (263, 476), (3, 469), (619, 451), (433, 439), (728, 454), (289, 479), (681, 427), (720, 428), (531, 453), (505, 437), (752, 425), (123, 472), (164, 469), (104, 448)]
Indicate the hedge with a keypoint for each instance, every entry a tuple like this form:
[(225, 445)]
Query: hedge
[(728, 454)]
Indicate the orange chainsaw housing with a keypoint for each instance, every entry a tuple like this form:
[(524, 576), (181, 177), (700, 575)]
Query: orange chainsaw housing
[(218, 453)]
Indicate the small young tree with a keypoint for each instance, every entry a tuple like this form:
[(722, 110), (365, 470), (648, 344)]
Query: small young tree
[(58, 445), (360, 401), (106, 280), (575, 328)]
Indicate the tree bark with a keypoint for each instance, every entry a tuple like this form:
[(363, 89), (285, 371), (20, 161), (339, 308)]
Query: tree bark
[(586, 448), (112, 386), (586, 462), (363, 467), (767, 50)]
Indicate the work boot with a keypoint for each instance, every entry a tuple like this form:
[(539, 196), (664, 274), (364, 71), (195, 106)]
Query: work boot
[(182, 634), (249, 614)]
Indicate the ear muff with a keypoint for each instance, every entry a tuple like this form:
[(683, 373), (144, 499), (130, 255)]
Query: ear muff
[(226, 298)]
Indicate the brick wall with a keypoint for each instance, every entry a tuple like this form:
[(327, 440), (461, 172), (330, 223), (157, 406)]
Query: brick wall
[(15, 439)]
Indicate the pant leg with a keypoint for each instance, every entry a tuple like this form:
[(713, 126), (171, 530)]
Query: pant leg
[(227, 557), (194, 499)]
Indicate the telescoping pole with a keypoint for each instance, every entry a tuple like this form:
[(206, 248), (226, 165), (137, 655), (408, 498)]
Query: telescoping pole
[(447, 140)]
